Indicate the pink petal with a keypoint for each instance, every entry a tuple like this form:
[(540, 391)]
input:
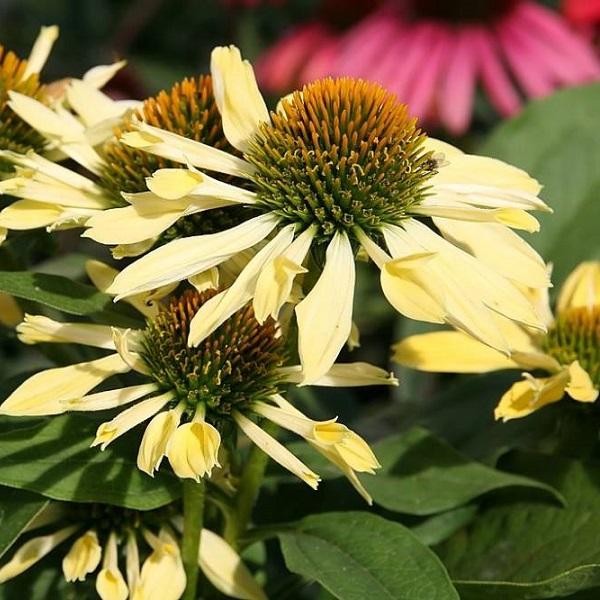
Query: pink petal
[(458, 86), (277, 69), (555, 29), (421, 90), (322, 62), (493, 73), (524, 67)]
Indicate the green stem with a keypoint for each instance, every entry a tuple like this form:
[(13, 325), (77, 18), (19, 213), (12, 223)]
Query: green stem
[(193, 513), (252, 476)]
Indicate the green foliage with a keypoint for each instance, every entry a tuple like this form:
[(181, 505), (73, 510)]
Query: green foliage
[(67, 296), (526, 549), (53, 457), (355, 556), (17, 509)]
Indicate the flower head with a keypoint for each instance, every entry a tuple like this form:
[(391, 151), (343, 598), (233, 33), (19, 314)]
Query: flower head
[(193, 398), (569, 351), (339, 167), (134, 554), (433, 54)]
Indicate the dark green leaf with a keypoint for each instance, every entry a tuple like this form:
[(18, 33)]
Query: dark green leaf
[(357, 555), (17, 510), (521, 550), (423, 475), (556, 141), (54, 458), (67, 296), (438, 528)]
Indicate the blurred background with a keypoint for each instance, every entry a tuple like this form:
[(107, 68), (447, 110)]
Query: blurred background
[(508, 78)]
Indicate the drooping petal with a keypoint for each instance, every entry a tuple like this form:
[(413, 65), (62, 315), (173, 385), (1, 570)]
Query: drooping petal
[(83, 557), (581, 387), (110, 584), (185, 257), (530, 394), (47, 392), (36, 329), (100, 75), (193, 450), (163, 575), (278, 452), (449, 352), (111, 398), (517, 260), (344, 375), (219, 308), (155, 441), (581, 288), (225, 569), (33, 551), (237, 96), (325, 315), (274, 284), (180, 149), (130, 418)]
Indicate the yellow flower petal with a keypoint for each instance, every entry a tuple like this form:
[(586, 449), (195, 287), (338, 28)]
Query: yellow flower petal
[(344, 375), (180, 149), (193, 450), (581, 288), (517, 260), (90, 104), (219, 308), (128, 419), (83, 557), (527, 396), (237, 96), (157, 435), (32, 551), (325, 315), (29, 214), (449, 352), (185, 257), (46, 393), (278, 452), (100, 75), (225, 569), (581, 387), (173, 184), (41, 50), (110, 584), (111, 398), (207, 280), (36, 329)]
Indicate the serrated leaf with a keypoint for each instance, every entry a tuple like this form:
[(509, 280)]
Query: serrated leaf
[(54, 458), (67, 296), (356, 555), (17, 509), (422, 475), (556, 141), (525, 550)]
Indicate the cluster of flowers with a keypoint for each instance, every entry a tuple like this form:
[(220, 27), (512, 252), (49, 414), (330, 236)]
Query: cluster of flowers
[(238, 270)]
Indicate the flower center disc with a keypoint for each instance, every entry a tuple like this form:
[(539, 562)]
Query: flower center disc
[(235, 365), (340, 153), (576, 336)]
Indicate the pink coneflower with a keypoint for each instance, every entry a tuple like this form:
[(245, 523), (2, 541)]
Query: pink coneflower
[(582, 12), (434, 54)]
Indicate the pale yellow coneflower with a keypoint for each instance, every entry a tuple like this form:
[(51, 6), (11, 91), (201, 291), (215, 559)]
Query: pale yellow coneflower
[(194, 397), (569, 352), (340, 167), (101, 536)]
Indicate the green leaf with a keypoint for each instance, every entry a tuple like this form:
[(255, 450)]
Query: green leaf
[(67, 296), (17, 510), (440, 527), (521, 550), (54, 458), (556, 141), (356, 555), (422, 475)]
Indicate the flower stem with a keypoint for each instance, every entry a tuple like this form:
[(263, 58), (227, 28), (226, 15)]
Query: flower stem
[(252, 476), (193, 513)]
